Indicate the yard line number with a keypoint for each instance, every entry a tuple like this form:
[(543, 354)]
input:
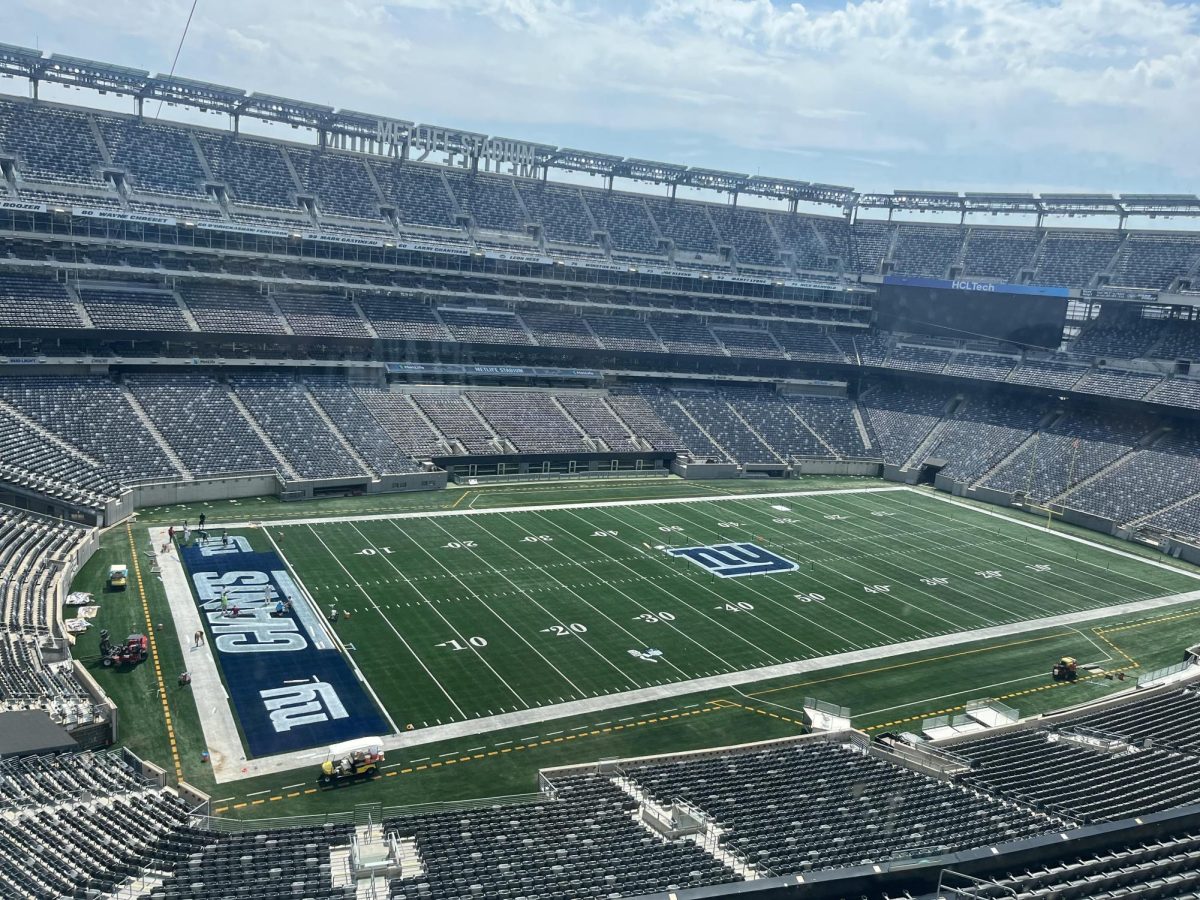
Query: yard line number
[(740, 606), (655, 617), (475, 641), (563, 630)]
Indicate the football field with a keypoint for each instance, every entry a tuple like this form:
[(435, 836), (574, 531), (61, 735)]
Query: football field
[(455, 617)]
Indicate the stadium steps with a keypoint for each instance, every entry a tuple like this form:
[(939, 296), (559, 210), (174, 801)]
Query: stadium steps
[(683, 409), (451, 446), (593, 443), (1166, 509), (1014, 454), (934, 435), (199, 151), (710, 839), (287, 326), (754, 431), (49, 436), (80, 309), (503, 445), (284, 465), (720, 343), (638, 441), (861, 424), (159, 438), (1126, 457), (358, 311), (532, 337), (813, 432), (338, 435), (193, 325), (657, 336)]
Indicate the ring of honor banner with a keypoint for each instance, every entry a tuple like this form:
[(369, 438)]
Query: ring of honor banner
[(291, 686)]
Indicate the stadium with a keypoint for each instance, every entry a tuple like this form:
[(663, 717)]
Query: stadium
[(397, 511)]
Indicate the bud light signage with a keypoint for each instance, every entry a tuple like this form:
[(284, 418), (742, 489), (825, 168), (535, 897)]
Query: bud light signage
[(291, 686), (736, 560)]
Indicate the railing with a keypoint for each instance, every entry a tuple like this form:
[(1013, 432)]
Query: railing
[(1153, 675), (587, 475), (179, 479), (424, 809), (830, 709), (221, 825), (1002, 708), (973, 888)]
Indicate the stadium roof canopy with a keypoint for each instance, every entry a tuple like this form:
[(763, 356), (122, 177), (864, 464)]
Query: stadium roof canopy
[(369, 133)]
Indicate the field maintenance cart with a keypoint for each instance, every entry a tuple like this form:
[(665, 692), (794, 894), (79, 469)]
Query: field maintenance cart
[(357, 759), (118, 576), (133, 651), (1066, 669)]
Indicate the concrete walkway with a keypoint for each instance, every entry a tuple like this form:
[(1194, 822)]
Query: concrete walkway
[(226, 755)]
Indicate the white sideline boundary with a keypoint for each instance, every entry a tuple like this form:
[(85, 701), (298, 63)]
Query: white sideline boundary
[(228, 757), (590, 504)]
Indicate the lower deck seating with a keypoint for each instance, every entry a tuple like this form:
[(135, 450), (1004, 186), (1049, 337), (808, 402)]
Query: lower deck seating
[(529, 420), (199, 420), (818, 805), (279, 405), (1039, 769), (584, 844)]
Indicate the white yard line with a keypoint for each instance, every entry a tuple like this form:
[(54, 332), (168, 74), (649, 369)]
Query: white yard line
[(594, 504), (463, 639), (388, 621)]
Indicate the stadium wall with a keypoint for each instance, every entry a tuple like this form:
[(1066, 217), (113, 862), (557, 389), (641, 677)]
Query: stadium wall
[(699, 471)]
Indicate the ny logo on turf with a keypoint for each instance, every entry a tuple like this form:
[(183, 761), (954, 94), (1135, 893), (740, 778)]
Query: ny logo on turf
[(303, 704), (736, 560)]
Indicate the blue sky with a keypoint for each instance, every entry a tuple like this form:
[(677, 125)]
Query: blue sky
[(1079, 95)]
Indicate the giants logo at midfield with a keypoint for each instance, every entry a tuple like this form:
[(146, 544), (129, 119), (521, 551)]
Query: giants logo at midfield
[(736, 560)]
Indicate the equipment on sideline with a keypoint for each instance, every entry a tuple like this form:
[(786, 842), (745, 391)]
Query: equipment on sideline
[(1065, 669), (118, 576), (133, 651), (352, 759)]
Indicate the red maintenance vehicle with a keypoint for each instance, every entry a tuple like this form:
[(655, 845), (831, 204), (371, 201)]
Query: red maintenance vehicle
[(135, 650)]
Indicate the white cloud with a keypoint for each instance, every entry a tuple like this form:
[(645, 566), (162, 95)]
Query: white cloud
[(911, 88)]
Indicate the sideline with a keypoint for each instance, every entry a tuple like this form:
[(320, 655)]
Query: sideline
[(226, 756), (543, 507)]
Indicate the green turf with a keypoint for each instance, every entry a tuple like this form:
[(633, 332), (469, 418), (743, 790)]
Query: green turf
[(929, 538), (470, 616)]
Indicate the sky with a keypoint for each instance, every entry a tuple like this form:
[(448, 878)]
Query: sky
[(964, 95)]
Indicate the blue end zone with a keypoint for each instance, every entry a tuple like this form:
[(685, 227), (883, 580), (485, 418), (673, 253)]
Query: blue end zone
[(291, 686)]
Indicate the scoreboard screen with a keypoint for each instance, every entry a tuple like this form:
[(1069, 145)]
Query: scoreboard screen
[(1026, 314)]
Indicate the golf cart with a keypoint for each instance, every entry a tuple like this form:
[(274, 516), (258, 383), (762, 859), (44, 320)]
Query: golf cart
[(118, 576), (359, 758)]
